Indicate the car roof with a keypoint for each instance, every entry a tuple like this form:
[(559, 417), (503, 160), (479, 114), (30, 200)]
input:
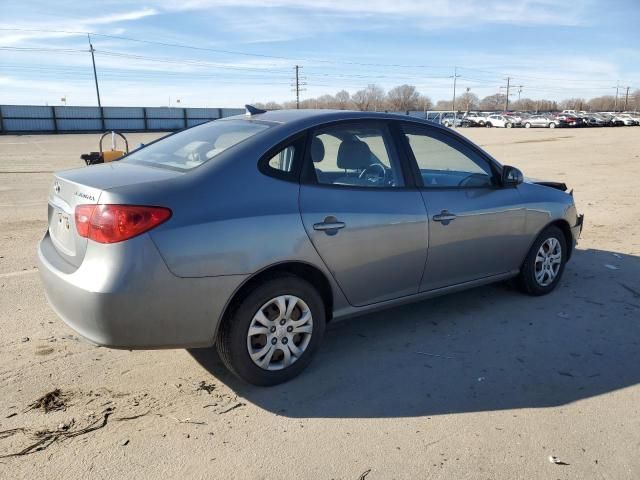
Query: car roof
[(305, 118)]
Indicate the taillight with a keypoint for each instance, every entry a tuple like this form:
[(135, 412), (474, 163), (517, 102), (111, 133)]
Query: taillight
[(115, 223)]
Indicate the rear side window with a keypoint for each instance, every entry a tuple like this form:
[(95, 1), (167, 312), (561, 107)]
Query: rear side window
[(283, 160), (195, 146)]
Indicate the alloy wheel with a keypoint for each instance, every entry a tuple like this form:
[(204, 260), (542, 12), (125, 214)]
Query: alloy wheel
[(548, 261)]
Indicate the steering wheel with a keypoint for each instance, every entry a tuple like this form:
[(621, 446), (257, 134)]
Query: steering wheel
[(370, 177)]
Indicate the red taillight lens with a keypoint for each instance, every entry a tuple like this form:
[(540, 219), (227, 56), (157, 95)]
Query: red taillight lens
[(83, 217), (115, 223)]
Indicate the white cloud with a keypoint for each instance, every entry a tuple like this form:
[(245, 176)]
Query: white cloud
[(518, 12)]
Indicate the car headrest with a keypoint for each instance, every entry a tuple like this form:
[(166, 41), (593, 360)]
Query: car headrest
[(354, 155), (317, 150)]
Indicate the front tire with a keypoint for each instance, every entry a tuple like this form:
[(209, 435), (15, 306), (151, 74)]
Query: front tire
[(552, 125), (545, 262), (273, 332), (488, 125), (509, 125), (527, 125)]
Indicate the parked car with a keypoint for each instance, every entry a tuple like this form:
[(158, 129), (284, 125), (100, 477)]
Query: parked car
[(614, 120), (252, 232), (596, 121), (476, 119), (540, 121), (628, 119), (502, 121), (569, 120), (449, 119)]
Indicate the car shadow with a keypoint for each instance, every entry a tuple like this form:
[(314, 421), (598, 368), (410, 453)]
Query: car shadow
[(486, 349)]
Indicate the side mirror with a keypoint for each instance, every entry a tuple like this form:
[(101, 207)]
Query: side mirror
[(511, 176)]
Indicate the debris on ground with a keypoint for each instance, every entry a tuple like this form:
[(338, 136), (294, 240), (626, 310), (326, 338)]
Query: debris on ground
[(563, 315), (632, 291), (49, 402), (557, 461), (24, 339), (434, 355), (364, 474), (205, 387), (45, 438), (611, 267), (233, 407), (187, 420)]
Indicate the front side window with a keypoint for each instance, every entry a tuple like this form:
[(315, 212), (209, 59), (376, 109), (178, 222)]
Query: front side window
[(443, 164), (195, 146), (355, 155)]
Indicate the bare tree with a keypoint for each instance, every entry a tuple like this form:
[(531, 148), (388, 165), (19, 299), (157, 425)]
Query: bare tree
[(604, 103), (493, 102), (342, 100), (467, 101), (403, 97), (370, 98), (424, 103), (444, 105)]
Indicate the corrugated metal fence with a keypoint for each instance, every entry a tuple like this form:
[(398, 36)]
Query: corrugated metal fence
[(33, 118)]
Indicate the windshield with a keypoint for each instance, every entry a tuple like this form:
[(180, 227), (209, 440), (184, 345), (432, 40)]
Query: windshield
[(195, 146)]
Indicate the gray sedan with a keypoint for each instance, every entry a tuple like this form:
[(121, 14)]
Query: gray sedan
[(251, 233)]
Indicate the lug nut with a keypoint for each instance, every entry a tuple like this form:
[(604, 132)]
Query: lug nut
[(274, 341), (289, 329), (285, 340), (273, 329), (283, 321)]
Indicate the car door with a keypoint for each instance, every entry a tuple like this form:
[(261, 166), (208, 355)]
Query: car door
[(368, 226), (476, 227)]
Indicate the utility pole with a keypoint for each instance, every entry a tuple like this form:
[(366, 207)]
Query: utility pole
[(519, 92), (615, 104), (95, 75), (506, 102), (453, 104), (626, 99), (297, 85)]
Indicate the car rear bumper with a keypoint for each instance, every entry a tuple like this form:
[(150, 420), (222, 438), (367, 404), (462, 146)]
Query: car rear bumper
[(124, 296)]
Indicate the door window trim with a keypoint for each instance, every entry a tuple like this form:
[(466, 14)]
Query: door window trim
[(451, 141), (308, 176)]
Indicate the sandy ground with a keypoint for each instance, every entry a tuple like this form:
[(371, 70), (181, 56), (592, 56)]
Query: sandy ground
[(509, 380)]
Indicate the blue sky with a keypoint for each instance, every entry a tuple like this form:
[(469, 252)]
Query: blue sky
[(243, 51)]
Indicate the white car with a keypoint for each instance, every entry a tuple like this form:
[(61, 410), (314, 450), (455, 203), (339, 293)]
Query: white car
[(628, 120), (476, 118), (502, 121)]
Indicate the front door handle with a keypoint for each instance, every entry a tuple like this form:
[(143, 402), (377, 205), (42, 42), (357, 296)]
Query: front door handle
[(444, 217), (330, 226)]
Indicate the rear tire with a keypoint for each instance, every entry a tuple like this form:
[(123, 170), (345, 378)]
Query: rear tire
[(527, 125), (488, 125), (235, 339), (544, 264), (509, 125), (552, 125)]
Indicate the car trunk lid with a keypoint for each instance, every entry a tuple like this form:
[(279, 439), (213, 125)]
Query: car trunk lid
[(84, 186)]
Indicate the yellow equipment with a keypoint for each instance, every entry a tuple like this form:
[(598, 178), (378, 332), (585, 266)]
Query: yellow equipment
[(103, 156)]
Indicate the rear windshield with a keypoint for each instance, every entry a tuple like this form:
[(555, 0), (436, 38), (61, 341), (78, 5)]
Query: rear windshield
[(195, 146)]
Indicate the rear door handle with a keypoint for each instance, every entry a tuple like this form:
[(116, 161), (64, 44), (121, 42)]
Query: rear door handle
[(444, 217), (331, 225)]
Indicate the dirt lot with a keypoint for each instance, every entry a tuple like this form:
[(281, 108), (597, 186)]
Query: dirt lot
[(509, 380)]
